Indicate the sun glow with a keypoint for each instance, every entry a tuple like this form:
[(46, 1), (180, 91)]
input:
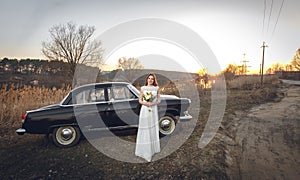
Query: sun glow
[(147, 47)]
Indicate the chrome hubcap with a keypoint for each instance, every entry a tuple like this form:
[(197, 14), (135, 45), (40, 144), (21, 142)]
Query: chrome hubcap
[(66, 134), (165, 125)]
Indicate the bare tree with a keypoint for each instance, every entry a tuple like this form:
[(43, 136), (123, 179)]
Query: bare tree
[(296, 60), (129, 67), (74, 45), (129, 64)]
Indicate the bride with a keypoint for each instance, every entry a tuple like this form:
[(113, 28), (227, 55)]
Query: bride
[(147, 141)]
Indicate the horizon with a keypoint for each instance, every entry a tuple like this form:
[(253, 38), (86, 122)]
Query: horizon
[(110, 68)]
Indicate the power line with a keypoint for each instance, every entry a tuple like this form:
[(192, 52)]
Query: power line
[(270, 14), (268, 9), (277, 18), (264, 18)]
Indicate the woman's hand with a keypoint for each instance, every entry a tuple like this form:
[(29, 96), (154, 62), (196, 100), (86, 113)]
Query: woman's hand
[(151, 103), (148, 104)]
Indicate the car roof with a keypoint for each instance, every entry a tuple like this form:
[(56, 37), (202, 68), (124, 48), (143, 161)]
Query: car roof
[(100, 84)]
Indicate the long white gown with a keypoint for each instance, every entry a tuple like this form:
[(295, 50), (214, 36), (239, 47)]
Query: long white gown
[(147, 141)]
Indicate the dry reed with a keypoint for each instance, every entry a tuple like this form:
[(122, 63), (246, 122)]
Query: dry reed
[(16, 100)]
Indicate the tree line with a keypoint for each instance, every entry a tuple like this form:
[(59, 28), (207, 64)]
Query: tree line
[(38, 72), (55, 67), (33, 66), (294, 65)]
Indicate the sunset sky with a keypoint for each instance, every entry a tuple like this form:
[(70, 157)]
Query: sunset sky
[(229, 27)]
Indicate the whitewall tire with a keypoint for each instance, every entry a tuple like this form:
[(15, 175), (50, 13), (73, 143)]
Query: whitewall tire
[(66, 136), (166, 125)]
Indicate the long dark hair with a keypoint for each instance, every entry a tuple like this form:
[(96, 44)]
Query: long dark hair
[(154, 78)]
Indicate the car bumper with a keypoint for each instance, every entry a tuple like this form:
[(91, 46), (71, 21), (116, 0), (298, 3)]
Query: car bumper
[(185, 117), (20, 131)]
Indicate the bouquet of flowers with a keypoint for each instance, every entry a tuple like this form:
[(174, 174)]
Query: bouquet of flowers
[(149, 97)]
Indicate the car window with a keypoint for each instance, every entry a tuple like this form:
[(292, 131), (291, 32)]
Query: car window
[(89, 96), (97, 95), (120, 93)]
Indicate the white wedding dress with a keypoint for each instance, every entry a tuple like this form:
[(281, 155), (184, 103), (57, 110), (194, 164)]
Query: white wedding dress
[(147, 141)]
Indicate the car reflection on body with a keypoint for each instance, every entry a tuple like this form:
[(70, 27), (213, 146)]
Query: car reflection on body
[(99, 106)]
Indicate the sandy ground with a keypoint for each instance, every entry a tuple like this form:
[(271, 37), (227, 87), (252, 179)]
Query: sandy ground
[(268, 139)]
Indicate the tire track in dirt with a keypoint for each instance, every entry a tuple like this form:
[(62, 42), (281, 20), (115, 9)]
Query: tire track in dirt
[(268, 140)]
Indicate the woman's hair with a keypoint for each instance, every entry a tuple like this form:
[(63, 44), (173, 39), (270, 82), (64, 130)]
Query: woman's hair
[(154, 78)]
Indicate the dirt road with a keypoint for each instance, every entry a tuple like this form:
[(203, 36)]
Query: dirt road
[(268, 139)]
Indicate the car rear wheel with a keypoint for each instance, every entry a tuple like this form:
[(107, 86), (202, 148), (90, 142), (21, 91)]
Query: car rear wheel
[(166, 125), (66, 136)]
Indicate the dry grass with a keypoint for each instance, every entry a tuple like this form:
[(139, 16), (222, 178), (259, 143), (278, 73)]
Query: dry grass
[(15, 100), (250, 82)]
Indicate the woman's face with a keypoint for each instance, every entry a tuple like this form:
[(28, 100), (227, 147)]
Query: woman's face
[(150, 80)]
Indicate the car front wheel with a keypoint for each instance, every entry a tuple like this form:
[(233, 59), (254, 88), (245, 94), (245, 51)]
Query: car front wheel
[(66, 136), (166, 125)]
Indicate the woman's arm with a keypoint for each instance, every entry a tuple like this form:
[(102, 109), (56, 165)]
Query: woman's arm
[(158, 99), (141, 98)]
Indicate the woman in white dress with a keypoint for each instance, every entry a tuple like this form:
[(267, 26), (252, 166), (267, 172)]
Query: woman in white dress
[(147, 141)]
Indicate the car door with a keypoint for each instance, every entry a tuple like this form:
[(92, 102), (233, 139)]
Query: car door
[(90, 108), (124, 106)]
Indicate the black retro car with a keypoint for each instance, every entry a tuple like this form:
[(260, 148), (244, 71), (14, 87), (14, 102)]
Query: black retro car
[(100, 106)]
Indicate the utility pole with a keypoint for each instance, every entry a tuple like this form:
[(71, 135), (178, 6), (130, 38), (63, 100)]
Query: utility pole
[(259, 69), (244, 66), (262, 64)]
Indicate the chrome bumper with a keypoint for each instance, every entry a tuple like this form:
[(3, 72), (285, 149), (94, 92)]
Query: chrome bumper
[(20, 131), (186, 116)]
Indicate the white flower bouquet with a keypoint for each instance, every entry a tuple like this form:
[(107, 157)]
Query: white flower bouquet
[(148, 97)]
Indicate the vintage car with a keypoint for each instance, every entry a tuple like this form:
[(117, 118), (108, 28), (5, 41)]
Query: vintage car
[(99, 106)]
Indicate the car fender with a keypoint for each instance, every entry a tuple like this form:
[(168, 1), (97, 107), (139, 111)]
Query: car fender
[(173, 112)]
